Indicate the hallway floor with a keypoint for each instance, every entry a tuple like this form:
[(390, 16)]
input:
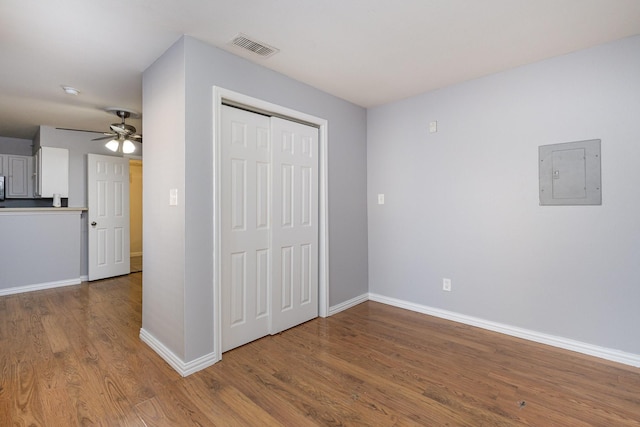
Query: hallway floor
[(136, 264)]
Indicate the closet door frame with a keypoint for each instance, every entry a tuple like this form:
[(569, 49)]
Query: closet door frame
[(224, 96)]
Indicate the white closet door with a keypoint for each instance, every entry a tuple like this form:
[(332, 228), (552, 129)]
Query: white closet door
[(269, 222), (245, 222), (294, 239)]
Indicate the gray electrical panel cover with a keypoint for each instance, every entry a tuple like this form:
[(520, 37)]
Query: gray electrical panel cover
[(569, 173)]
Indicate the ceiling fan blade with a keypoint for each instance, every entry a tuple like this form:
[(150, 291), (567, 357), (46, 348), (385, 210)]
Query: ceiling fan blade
[(79, 130), (136, 137), (104, 137)]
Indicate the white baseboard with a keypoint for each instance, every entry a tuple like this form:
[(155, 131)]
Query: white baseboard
[(40, 286), (552, 340), (348, 304), (183, 368)]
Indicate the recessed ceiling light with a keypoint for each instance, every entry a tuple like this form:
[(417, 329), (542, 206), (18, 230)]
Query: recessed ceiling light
[(70, 90)]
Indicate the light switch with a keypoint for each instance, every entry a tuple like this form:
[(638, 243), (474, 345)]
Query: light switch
[(381, 199), (173, 197), (433, 127)]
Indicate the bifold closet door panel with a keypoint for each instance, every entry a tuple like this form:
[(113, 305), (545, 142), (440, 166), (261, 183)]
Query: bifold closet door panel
[(245, 225), (295, 224)]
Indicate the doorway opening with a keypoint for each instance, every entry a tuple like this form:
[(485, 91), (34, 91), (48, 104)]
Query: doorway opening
[(135, 214)]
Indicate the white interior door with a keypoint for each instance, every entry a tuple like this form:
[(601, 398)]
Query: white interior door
[(108, 199), (269, 225), (295, 224), (245, 222)]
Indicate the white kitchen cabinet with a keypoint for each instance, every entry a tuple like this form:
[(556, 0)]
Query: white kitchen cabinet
[(51, 172), (18, 176), (17, 170)]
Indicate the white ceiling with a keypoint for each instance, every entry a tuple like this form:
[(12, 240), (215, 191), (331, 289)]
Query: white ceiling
[(368, 52)]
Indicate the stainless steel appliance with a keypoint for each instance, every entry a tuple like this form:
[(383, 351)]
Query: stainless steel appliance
[(1, 187)]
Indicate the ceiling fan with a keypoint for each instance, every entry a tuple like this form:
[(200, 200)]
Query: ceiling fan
[(121, 135)]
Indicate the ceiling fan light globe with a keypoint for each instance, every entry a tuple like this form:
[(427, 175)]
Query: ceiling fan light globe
[(128, 147), (112, 145)]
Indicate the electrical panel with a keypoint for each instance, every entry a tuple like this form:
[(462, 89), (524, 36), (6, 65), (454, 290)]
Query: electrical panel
[(569, 173)]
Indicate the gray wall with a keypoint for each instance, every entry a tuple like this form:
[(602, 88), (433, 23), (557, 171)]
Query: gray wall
[(18, 146), (39, 248), (209, 66), (163, 286), (204, 67), (462, 203)]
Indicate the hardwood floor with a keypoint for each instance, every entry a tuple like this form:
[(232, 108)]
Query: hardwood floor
[(72, 356), (136, 264)]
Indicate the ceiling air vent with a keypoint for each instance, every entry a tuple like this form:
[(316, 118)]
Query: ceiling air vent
[(258, 48)]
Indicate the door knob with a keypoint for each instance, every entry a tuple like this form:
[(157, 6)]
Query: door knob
[(93, 224)]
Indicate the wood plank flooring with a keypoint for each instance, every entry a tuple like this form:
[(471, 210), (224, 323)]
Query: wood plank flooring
[(72, 356), (135, 264)]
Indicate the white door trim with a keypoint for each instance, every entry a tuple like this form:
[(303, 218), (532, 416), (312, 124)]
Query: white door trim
[(258, 105)]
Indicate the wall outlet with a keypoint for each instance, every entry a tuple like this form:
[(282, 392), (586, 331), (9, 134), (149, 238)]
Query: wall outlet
[(446, 285)]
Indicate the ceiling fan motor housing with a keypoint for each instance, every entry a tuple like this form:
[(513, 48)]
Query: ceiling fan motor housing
[(123, 128)]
